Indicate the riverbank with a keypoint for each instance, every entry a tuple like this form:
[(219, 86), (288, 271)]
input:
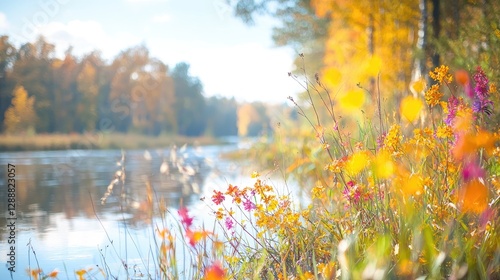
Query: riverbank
[(45, 142)]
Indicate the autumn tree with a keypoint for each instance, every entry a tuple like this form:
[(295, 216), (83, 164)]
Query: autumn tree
[(253, 119), (20, 116), (33, 70)]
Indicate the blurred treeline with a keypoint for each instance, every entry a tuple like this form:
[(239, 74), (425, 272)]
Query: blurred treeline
[(133, 93), (381, 44)]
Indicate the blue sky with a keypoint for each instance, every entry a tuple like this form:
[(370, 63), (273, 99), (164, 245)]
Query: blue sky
[(230, 58)]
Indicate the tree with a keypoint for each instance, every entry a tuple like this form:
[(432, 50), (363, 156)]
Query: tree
[(189, 102), (7, 58), (20, 117), (34, 70), (221, 116), (253, 119)]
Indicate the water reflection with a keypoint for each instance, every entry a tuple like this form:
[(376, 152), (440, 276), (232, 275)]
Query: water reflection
[(59, 192)]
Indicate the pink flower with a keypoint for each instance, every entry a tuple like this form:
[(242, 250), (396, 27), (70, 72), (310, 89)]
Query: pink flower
[(185, 219), (218, 197), (472, 171), (248, 205), (229, 223)]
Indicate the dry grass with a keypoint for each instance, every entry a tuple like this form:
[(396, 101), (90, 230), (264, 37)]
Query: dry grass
[(95, 141)]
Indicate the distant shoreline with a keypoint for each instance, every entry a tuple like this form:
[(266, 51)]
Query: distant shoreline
[(98, 141)]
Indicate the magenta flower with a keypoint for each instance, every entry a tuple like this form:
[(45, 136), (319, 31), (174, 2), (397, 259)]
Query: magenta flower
[(229, 223), (453, 103), (481, 101), (186, 220), (472, 170), (248, 205)]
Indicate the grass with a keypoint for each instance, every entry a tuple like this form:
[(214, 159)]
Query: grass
[(9, 142)]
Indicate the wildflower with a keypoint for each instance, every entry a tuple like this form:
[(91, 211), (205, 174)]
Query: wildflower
[(462, 77), (432, 96), (232, 190), (352, 192), (195, 236), (441, 74), (472, 171), (451, 108), (185, 219), (393, 137), (218, 197), (248, 205), (444, 131), (255, 174), (383, 166), (53, 274), (410, 108), (481, 99), (219, 214), (229, 223), (215, 272), (34, 273), (356, 163), (474, 197)]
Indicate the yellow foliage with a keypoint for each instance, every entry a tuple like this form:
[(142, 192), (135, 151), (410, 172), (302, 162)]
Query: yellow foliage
[(21, 114)]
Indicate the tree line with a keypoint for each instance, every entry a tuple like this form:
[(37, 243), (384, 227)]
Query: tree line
[(135, 93)]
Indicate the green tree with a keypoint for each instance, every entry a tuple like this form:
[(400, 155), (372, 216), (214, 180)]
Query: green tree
[(34, 70), (7, 58), (189, 102), (20, 116)]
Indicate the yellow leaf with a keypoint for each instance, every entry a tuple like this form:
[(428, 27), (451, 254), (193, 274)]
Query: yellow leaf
[(383, 166), (332, 77), (373, 66), (356, 163), (352, 100), (410, 108)]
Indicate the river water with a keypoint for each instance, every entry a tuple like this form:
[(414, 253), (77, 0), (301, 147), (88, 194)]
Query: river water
[(62, 224)]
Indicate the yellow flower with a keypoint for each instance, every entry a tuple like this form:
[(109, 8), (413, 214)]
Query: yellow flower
[(356, 163), (383, 166), (444, 131), (493, 88), (441, 74), (393, 138), (410, 108), (433, 96)]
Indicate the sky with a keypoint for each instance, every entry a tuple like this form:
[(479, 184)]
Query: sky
[(229, 57)]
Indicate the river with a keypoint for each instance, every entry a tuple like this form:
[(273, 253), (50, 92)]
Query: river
[(61, 223)]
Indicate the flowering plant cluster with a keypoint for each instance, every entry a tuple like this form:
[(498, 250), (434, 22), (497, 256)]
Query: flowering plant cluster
[(404, 199)]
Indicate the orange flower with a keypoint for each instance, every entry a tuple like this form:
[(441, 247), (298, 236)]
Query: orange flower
[(462, 77), (474, 197), (53, 274), (215, 272)]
